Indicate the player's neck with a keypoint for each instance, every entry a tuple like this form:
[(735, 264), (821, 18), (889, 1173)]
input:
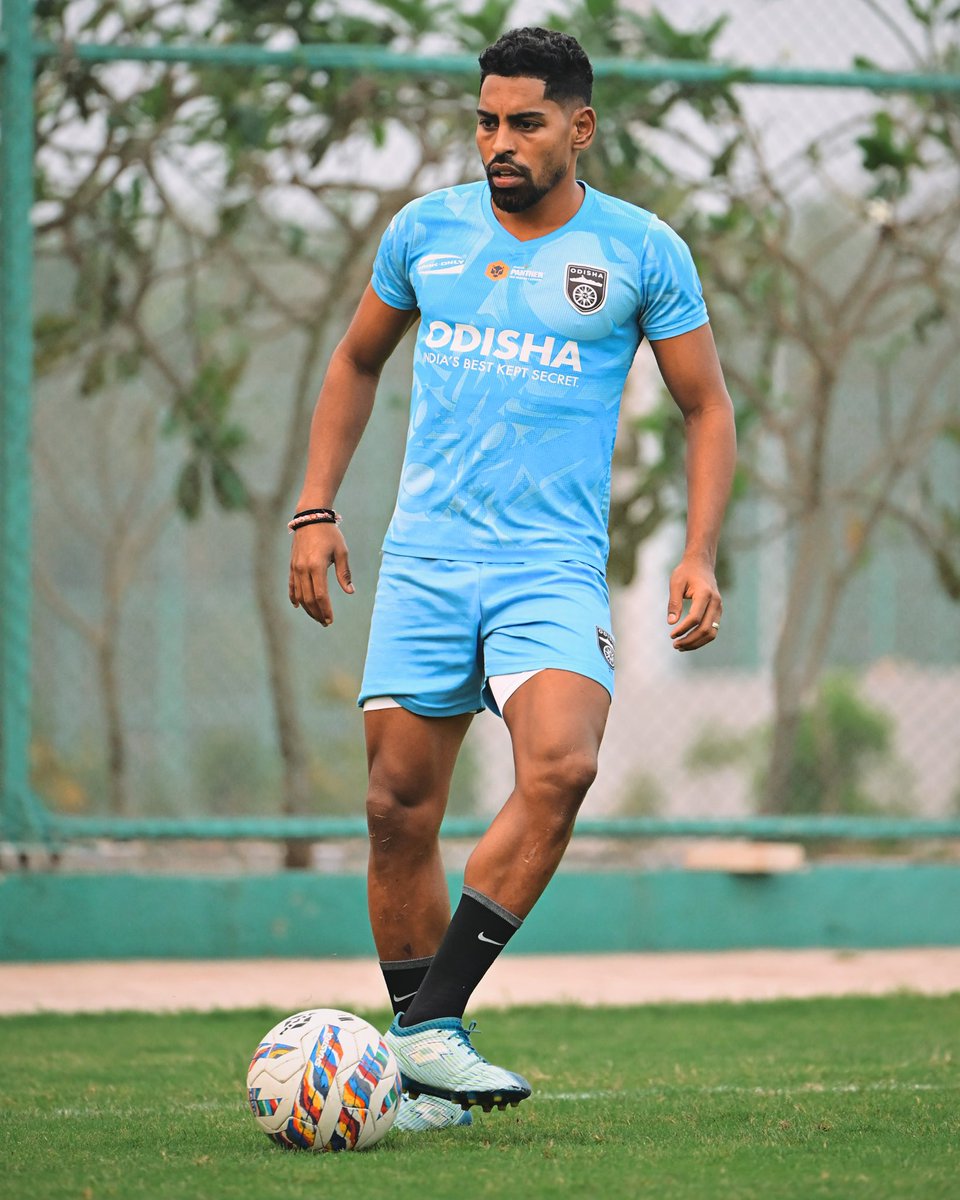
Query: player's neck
[(557, 207)]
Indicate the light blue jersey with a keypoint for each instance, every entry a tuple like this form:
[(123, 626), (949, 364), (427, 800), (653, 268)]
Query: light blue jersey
[(521, 357)]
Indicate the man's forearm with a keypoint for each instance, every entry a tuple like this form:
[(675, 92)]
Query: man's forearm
[(711, 458), (339, 419)]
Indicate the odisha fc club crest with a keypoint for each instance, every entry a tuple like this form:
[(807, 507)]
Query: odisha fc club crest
[(607, 649), (586, 287)]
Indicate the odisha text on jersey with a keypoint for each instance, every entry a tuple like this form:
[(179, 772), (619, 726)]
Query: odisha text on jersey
[(502, 343)]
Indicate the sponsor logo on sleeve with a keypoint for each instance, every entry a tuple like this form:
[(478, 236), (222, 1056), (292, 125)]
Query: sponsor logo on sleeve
[(585, 287), (441, 264)]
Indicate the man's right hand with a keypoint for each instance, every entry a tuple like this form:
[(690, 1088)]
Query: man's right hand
[(315, 547)]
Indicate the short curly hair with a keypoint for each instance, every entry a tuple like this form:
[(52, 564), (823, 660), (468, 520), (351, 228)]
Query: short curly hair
[(556, 58)]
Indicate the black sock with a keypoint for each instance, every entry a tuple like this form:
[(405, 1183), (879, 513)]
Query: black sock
[(403, 979), (479, 930)]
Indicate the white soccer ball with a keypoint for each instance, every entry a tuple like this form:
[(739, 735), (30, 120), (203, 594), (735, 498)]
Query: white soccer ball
[(324, 1079)]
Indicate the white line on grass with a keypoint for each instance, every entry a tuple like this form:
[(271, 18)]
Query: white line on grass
[(138, 1111), (731, 1089), (720, 1089)]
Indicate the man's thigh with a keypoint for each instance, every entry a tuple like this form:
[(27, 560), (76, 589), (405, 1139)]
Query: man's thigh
[(424, 647), (411, 758), (545, 616), (554, 716)]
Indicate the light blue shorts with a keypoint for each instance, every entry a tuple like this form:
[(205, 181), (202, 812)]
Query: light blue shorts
[(441, 628)]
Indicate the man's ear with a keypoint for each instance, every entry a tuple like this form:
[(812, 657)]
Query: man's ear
[(584, 127)]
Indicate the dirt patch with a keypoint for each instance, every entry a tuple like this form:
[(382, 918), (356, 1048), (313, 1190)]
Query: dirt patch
[(293, 984)]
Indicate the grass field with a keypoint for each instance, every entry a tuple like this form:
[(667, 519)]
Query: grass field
[(840, 1098)]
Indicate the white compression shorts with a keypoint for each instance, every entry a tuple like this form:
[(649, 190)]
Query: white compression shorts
[(502, 686)]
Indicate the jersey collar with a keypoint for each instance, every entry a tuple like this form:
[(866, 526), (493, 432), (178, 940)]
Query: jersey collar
[(486, 204)]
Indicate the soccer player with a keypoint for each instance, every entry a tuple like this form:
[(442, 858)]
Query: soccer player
[(532, 292)]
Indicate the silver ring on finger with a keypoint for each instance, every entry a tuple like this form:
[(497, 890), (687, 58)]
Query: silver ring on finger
[(716, 624)]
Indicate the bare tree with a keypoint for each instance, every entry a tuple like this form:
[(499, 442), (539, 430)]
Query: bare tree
[(244, 208), (210, 198), (844, 278), (119, 525), (211, 215)]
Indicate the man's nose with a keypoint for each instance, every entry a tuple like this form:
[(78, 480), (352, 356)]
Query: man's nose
[(503, 141)]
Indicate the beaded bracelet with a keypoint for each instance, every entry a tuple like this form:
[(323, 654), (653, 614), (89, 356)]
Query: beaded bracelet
[(314, 516)]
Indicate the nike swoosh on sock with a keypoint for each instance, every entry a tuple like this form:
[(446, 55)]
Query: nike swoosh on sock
[(400, 999), (482, 938)]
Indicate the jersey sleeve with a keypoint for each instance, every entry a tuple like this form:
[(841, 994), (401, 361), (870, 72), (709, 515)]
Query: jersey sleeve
[(670, 286), (391, 273)]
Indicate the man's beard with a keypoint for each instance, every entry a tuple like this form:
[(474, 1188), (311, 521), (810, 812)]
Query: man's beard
[(524, 195)]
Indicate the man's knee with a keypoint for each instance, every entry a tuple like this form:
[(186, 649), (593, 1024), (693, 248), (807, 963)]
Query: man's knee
[(560, 777), (402, 814), (410, 761)]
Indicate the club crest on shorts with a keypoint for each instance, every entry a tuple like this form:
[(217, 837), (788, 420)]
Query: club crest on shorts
[(586, 287), (607, 647)]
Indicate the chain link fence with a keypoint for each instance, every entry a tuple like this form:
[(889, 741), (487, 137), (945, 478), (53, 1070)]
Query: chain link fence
[(202, 236)]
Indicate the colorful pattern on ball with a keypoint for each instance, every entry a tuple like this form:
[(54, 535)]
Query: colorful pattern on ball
[(262, 1108), (344, 1137), (337, 1087), (356, 1097), (270, 1050), (390, 1100), (317, 1079), (359, 1087)]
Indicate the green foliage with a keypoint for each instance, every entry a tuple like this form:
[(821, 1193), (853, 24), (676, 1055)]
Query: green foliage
[(648, 490), (718, 747), (246, 118), (463, 801), (601, 10), (839, 739), (622, 159), (667, 41), (190, 489), (889, 153), (338, 774), (234, 773), (487, 23), (204, 411), (642, 797), (843, 759), (55, 335), (67, 781), (927, 14), (143, 259)]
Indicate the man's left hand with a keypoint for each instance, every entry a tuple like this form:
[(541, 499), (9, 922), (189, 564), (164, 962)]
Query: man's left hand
[(694, 580)]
